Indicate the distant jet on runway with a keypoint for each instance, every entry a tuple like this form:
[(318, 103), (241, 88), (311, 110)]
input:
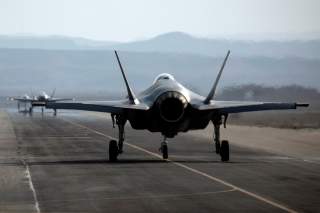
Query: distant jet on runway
[(168, 107), (23, 100), (38, 101)]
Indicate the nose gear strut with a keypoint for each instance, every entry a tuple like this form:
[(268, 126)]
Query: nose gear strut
[(164, 148)]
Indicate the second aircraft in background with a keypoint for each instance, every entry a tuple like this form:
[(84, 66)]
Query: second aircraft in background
[(40, 100)]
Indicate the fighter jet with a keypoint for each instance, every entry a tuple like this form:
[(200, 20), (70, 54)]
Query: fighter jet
[(38, 101), (169, 108), (23, 100)]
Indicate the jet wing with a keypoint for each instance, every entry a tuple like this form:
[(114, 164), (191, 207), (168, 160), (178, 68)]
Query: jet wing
[(246, 106), (100, 106), (20, 99), (61, 99)]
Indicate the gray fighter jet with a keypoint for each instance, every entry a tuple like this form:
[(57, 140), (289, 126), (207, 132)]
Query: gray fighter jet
[(38, 101), (23, 100), (168, 107)]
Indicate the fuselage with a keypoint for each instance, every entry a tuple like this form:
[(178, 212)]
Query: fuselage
[(24, 98), (43, 97), (170, 110), (40, 100)]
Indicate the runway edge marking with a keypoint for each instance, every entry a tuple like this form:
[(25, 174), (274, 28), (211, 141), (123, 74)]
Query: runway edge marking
[(246, 192), (34, 193)]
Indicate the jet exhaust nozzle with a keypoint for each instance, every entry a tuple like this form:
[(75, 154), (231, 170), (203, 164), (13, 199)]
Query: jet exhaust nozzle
[(171, 106)]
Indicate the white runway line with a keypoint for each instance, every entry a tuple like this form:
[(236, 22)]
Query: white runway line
[(246, 192), (34, 193), (311, 161)]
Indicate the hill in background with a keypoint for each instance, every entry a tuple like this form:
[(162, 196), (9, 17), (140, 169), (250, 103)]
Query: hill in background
[(92, 71), (174, 42)]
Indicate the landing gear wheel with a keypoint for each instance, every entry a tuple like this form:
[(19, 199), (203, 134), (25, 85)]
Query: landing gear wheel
[(224, 150), (113, 151), (164, 150)]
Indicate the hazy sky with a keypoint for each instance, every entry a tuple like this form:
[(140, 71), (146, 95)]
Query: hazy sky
[(124, 20)]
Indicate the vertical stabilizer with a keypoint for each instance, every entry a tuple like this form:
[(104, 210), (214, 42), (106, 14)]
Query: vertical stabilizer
[(53, 93), (213, 90), (131, 96)]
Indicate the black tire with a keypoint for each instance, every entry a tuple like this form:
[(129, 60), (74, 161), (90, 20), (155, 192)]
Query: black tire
[(164, 150), (224, 150), (113, 151)]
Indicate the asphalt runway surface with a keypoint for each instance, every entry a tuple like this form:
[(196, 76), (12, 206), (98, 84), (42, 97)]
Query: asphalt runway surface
[(59, 164)]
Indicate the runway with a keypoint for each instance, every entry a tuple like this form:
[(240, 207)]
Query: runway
[(59, 164)]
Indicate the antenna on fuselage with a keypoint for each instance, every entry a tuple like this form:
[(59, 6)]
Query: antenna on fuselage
[(213, 90), (131, 96)]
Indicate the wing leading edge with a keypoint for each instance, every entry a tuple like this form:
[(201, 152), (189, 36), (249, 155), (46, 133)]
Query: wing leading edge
[(60, 99), (99, 106), (20, 99), (246, 106)]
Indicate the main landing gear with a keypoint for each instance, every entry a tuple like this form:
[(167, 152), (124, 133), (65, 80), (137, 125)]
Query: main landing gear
[(24, 105), (54, 112), (223, 147), (113, 151), (31, 110), (224, 150), (116, 148)]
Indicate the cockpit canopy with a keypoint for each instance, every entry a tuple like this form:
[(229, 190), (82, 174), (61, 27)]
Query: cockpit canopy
[(26, 96), (43, 96), (163, 76)]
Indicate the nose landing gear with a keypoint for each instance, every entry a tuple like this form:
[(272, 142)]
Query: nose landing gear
[(164, 148)]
